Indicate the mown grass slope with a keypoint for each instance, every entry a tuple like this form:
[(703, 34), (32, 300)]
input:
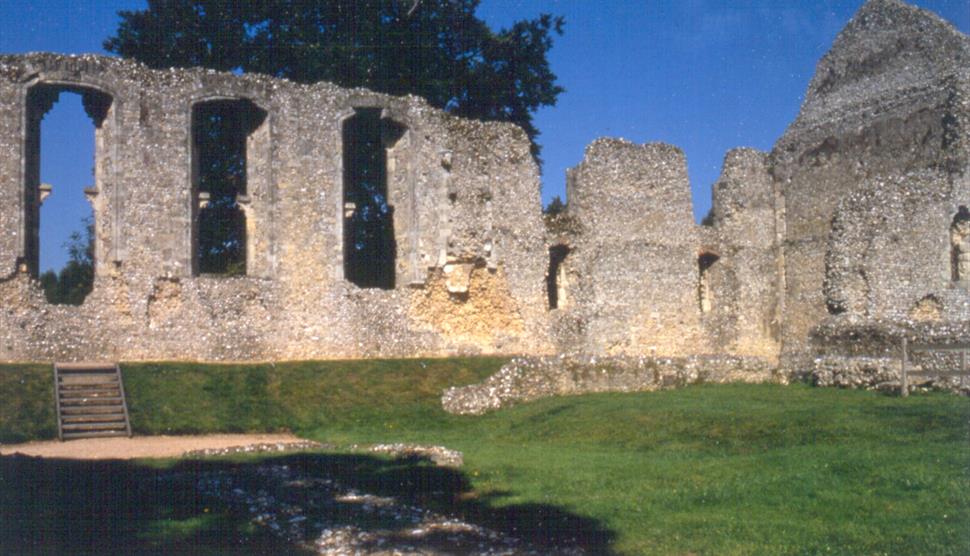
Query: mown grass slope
[(27, 403), (713, 469)]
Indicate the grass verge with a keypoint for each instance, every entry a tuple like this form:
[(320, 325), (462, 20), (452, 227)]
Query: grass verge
[(714, 469)]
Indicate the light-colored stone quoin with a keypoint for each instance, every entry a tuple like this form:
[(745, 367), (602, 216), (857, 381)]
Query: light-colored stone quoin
[(849, 234)]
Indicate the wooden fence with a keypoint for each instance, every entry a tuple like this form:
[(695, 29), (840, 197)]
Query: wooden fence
[(907, 347)]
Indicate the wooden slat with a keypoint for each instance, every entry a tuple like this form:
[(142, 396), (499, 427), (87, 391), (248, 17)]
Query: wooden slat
[(88, 379), (115, 401), (73, 387), (105, 393), (93, 426), (90, 400), (99, 418), (937, 373), (93, 434), (114, 409), (85, 366)]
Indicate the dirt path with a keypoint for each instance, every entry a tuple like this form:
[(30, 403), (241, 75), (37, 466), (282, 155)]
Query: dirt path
[(141, 446)]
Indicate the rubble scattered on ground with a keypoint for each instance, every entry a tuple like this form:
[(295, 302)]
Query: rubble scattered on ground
[(322, 515)]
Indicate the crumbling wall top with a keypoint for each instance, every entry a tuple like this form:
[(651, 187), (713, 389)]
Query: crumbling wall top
[(888, 52), (624, 192)]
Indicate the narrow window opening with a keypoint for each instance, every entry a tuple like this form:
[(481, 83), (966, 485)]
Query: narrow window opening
[(370, 248), (61, 187), (556, 276), (220, 132), (705, 290), (960, 247)]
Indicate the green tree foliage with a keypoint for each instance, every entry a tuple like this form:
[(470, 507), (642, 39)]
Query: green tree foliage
[(369, 232), (220, 129), (436, 49), (76, 280), (708, 219), (555, 207)]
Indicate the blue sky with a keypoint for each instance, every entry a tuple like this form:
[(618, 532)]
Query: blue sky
[(705, 75)]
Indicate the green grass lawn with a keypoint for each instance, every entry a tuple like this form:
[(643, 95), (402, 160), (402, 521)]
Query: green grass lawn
[(713, 469)]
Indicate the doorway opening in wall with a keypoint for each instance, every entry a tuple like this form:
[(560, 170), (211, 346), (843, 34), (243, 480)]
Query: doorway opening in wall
[(220, 132), (556, 276), (62, 188), (705, 290), (960, 247), (370, 249)]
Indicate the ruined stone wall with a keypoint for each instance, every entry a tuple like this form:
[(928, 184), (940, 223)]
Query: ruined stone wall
[(853, 231), (881, 106), (890, 252), (741, 315), (633, 268), (466, 219)]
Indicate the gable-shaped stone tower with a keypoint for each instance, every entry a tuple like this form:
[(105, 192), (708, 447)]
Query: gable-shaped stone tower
[(873, 172)]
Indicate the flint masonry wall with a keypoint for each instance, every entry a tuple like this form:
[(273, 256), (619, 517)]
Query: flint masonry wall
[(742, 315), (819, 256), (890, 252), (641, 278), (467, 223), (632, 271), (848, 220), (885, 103)]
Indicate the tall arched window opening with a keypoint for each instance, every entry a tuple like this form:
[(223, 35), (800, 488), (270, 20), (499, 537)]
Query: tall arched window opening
[(62, 188), (960, 247), (220, 133), (370, 249)]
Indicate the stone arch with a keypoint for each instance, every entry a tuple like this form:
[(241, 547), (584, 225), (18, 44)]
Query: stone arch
[(400, 239), (252, 203), (101, 105), (960, 247), (78, 74)]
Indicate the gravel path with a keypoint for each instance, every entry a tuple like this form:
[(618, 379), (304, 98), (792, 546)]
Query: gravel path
[(141, 446)]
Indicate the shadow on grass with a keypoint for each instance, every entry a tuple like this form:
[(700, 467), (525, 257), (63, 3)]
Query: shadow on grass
[(56, 506)]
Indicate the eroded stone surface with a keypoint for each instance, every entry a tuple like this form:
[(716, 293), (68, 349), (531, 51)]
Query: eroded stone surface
[(524, 379), (856, 220)]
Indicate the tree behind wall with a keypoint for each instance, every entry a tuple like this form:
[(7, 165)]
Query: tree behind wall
[(436, 49), (75, 281), (220, 129)]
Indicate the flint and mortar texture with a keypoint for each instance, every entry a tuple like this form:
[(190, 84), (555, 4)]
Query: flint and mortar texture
[(888, 100), (742, 316), (529, 378), (819, 257), (633, 271), (463, 192)]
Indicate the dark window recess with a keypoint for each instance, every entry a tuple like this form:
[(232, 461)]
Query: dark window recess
[(75, 279), (220, 130), (960, 246), (705, 291), (555, 283), (369, 246)]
